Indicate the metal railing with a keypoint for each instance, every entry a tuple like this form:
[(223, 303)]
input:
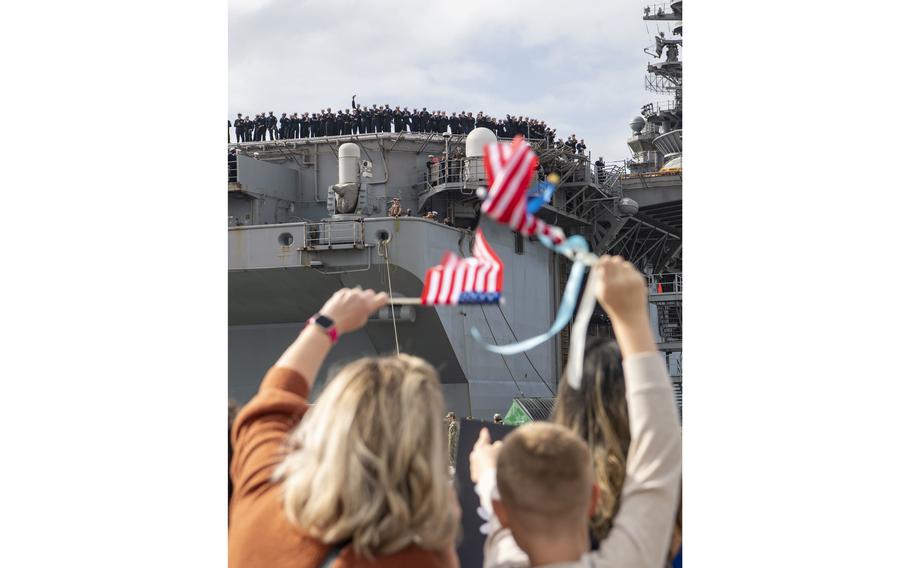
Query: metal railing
[(665, 282), (232, 168), (609, 173), (662, 11), (445, 171), (331, 233)]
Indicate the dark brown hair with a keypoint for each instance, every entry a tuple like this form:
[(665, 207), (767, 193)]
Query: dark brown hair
[(597, 412)]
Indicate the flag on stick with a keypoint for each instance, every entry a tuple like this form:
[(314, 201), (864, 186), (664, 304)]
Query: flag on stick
[(473, 280), (509, 169)]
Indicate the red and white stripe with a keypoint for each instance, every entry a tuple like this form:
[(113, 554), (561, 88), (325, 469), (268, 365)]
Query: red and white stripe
[(482, 273), (510, 169)]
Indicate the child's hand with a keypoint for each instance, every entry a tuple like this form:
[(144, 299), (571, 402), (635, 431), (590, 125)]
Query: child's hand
[(483, 456)]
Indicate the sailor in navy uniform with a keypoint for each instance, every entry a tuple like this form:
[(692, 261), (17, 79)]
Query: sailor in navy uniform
[(283, 124), (272, 125), (238, 128)]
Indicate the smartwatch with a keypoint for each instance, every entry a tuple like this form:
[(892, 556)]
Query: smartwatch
[(326, 324)]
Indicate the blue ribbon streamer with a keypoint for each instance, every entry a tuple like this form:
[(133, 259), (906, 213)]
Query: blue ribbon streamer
[(575, 243), (540, 195)]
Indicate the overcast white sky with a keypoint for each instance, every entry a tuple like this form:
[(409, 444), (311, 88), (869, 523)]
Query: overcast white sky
[(577, 64)]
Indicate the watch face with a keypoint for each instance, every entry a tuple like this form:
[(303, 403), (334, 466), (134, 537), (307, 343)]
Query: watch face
[(324, 321)]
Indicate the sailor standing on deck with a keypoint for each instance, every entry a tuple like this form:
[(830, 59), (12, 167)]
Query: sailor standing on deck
[(272, 125), (283, 124), (375, 119), (319, 126), (258, 129), (294, 122), (238, 128), (397, 119), (387, 119), (265, 127), (599, 165), (247, 128), (406, 120), (330, 126)]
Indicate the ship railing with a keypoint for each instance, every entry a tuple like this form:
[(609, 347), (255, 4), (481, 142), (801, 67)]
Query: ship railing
[(467, 173), (665, 283), (444, 171), (333, 233), (662, 11), (608, 174), (654, 108)]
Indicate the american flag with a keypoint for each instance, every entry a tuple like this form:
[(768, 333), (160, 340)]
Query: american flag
[(473, 280), (510, 168)]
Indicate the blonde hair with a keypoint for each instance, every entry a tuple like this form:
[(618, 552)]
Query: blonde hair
[(544, 476), (368, 463)]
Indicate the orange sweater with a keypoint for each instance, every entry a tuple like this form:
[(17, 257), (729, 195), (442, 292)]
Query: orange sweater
[(260, 534)]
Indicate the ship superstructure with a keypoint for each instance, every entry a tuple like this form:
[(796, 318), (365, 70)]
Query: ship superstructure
[(652, 239)]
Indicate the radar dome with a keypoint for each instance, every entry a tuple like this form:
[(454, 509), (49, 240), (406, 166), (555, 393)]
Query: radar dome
[(637, 124), (476, 140), (348, 163)]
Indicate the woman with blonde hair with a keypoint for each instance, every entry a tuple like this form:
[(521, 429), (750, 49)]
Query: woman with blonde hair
[(362, 479)]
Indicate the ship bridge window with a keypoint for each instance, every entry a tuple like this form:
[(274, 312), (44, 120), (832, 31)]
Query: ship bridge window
[(285, 239)]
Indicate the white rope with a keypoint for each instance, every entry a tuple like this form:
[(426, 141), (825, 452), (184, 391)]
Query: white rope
[(391, 307), (578, 335)]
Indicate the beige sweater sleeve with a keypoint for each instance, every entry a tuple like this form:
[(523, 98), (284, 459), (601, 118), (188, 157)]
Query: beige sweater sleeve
[(640, 537), (642, 528)]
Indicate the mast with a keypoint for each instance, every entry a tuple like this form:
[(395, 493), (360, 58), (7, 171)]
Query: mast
[(656, 140)]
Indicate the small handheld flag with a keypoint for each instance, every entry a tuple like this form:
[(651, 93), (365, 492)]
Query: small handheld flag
[(510, 169), (473, 280)]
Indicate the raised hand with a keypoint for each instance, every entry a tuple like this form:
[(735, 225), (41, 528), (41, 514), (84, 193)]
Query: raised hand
[(484, 454), (350, 308), (620, 288)]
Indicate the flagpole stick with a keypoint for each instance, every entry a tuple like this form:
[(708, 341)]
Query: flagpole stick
[(419, 302), (405, 301)]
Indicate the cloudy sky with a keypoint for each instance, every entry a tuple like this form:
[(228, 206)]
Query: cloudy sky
[(577, 64)]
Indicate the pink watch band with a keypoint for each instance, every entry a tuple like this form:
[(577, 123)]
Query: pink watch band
[(326, 325)]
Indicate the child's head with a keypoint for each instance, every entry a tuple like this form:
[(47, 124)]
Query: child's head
[(546, 484)]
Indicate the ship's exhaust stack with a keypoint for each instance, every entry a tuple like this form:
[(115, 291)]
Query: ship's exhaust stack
[(348, 187)]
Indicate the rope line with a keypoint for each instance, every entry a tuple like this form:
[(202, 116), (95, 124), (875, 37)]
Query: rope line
[(504, 362), (392, 308), (525, 353)]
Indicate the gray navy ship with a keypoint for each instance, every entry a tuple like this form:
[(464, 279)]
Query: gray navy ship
[(309, 216)]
